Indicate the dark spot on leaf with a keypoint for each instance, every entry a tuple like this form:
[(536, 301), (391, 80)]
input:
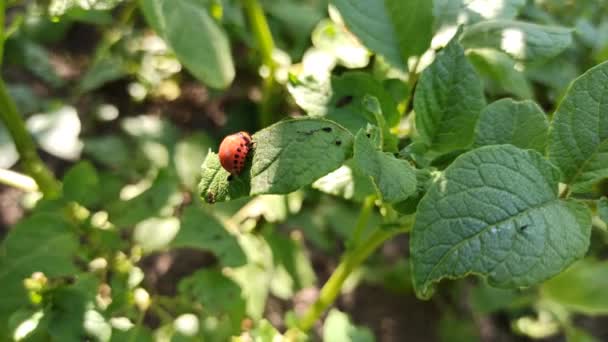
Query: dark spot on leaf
[(368, 135), (327, 129), (338, 142), (522, 228), (343, 101)]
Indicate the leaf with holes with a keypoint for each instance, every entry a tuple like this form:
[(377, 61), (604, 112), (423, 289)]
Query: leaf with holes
[(578, 140), (495, 212)]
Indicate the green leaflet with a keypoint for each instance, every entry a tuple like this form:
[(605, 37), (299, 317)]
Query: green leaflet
[(394, 29), (286, 156), (41, 243), (199, 43), (448, 100), (81, 184), (200, 230), (519, 123), (578, 139), (500, 73), (581, 288), (394, 178), (521, 40), (495, 212)]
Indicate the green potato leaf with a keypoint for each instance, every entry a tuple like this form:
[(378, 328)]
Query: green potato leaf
[(448, 100), (341, 99), (41, 243), (495, 212), (197, 40), (286, 156), (519, 123), (394, 178), (394, 29), (578, 139), (200, 230)]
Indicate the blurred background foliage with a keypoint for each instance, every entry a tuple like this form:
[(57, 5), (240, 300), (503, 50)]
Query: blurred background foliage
[(125, 116)]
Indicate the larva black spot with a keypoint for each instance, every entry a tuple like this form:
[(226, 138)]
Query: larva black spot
[(229, 177), (338, 142), (327, 129)]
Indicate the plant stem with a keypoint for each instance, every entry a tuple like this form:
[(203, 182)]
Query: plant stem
[(33, 166), (263, 36), (2, 16), (350, 261), (366, 211)]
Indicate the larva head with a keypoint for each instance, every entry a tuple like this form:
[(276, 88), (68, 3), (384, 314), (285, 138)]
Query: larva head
[(233, 152)]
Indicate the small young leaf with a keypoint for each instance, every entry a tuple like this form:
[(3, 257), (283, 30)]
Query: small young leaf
[(495, 212), (578, 140), (394, 178), (199, 43), (581, 288), (80, 184), (523, 124), (217, 185), (521, 40), (448, 100)]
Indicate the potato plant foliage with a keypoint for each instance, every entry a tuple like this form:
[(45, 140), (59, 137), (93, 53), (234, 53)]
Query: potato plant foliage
[(443, 152)]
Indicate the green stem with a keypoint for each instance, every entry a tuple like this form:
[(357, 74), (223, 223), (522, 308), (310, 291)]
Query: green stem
[(366, 211), (2, 15), (263, 36), (24, 143), (350, 261)]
